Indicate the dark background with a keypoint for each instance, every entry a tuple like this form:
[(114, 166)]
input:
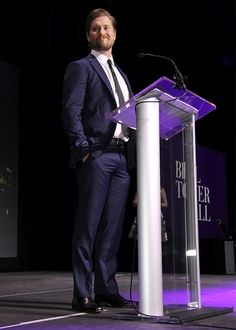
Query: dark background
[(42, 37)]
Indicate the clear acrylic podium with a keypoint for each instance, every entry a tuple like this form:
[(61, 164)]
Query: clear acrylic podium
[(160, 112)]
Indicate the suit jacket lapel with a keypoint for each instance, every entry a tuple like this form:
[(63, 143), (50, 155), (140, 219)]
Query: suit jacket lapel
[(97, 67)]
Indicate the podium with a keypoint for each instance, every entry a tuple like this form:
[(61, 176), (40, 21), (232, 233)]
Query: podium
[(161, 111)]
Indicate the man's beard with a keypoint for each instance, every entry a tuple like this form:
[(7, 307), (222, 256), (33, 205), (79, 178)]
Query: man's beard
[(100, 45)]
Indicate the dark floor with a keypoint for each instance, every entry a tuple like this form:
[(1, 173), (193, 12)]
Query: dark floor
[(42, 300)]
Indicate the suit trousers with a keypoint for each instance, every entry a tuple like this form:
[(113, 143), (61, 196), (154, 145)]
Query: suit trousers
[(103, 184)]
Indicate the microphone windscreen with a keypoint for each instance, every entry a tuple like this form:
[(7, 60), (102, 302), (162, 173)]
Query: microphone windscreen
[(141, 55)]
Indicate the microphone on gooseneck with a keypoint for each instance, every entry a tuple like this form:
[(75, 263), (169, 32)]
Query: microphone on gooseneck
[(178, 78)]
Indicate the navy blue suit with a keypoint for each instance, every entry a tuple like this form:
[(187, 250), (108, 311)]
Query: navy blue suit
[(103, 179)]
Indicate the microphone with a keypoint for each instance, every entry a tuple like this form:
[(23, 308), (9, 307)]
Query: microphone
[(178, 78)]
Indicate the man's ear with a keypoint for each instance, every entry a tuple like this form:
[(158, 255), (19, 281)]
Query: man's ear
[(87, 36)]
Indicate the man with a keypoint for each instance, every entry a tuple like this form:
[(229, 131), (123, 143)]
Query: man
[(100, 152)]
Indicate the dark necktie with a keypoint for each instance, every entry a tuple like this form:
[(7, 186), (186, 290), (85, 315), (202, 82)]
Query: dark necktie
[(117, 86), (119, 93)]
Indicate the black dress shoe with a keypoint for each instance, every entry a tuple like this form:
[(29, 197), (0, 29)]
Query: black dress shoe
[(114, 300), (85, 305)]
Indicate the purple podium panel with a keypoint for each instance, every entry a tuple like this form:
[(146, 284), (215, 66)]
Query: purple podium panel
[(175, 106)]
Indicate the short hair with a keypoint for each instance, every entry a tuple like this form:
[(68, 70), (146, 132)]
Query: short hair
[(97, 13)]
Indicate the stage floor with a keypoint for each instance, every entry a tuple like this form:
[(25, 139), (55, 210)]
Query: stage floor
[(42, 300)]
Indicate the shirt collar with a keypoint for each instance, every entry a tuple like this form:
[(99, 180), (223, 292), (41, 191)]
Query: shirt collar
[(101, 58)]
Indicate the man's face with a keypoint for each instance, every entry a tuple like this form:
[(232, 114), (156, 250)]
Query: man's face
[(102, 34)]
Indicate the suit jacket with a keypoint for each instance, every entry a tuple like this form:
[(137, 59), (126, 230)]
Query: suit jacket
[(87, 98)]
